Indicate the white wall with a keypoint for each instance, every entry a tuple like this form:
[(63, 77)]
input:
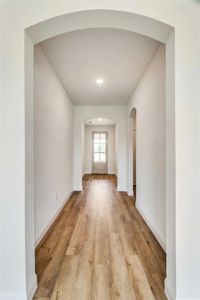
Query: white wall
[(118, 113), (53, 142), (183, 263), (149, 101), (111, 147), (83, 149)]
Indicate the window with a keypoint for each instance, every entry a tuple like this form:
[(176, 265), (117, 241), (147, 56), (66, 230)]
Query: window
[(99, 147)]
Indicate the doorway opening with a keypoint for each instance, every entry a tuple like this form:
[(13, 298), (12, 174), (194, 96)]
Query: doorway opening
[(98, 144), (100, 152), (109, 19), (134, 153)]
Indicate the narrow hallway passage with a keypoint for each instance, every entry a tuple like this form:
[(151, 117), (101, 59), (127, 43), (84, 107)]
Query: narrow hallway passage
[(100, 248)]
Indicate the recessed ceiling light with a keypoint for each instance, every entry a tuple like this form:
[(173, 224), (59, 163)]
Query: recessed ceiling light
[(100, 119), (99, 81)]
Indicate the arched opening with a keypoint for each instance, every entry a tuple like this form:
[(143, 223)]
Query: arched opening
[(110, 19), (133, 150), (99, 146)]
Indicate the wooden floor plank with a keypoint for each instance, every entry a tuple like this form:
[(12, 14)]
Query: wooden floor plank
[(100, 248), (102, 284), (64, 284), (45, 251), (139, 280), (124, 289)]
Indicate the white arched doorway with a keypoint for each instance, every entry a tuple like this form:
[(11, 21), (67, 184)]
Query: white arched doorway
[(98, 146), (101, 19), (119, 117)]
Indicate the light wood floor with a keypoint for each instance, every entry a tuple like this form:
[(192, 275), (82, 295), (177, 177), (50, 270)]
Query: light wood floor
[(100, 248)]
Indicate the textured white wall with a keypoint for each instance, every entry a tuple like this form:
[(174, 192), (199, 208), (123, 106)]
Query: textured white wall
[(111, 147), (53, 164), (149, 101), (16, 103)]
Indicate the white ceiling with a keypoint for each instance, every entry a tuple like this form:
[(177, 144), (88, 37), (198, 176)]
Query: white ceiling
[(100, 122), (118, 57)]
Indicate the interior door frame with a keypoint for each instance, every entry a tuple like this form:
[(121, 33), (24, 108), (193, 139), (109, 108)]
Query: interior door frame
[(106, 133)]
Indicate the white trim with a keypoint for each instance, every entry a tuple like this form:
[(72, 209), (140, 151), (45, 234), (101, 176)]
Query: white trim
[(154, 231), (43, 231), (169, 290), (31, 292), (79, 189), (171, 295), (130, 193), (13, 296), (5, 295), (121, 189), (195, 297)]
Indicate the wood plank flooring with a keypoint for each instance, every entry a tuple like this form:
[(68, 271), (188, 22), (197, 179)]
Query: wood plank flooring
[(100, 248)]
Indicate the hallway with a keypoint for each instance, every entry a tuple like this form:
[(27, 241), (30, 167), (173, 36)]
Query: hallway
[(100, 248)]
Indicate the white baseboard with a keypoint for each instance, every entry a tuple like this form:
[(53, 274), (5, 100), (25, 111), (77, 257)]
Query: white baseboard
[(169, 291), (171, 294), (6, 295), (86, 173), (78, 189), (195, 297), (121, 189), (33, 288), (156, 234), (13, 296), (130, 193), (42, 233)]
